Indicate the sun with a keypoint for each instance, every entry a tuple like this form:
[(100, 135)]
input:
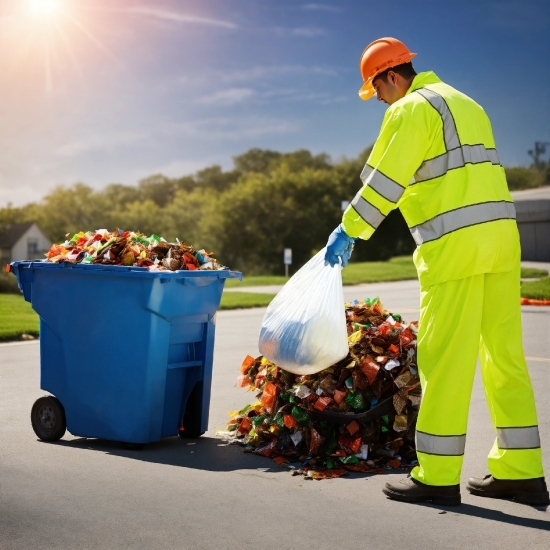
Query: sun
[(45, 37), (43, 6)]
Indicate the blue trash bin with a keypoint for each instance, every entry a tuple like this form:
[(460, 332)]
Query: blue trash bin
[(127, 352)]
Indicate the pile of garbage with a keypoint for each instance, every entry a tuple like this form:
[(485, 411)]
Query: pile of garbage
[(357, 415), (129, 248)]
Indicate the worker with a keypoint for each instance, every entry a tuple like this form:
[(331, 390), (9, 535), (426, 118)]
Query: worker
[(435, 159)]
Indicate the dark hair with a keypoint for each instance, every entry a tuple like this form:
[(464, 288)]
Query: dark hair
[(406, 70)]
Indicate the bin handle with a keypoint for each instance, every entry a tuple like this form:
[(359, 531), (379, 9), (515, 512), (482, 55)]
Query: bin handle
[(196, 281)]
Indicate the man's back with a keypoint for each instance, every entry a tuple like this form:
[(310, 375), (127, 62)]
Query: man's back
[(457, 205)]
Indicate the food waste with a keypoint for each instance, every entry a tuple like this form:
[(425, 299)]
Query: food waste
[(319, 425), (130, 248)]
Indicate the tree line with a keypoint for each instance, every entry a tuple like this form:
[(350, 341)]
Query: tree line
[(247, 216)]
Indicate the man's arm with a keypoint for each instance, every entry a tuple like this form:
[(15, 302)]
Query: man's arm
[(398, 152)]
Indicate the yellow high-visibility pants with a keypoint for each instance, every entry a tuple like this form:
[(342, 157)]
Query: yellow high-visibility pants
[(458, 319)]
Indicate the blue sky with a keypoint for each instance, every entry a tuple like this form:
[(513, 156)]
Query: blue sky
[(111, 91)]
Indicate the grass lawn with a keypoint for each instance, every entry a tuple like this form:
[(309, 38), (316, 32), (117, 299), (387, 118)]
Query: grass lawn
[(397, 269), (536, 290), (256, 280), (533, 273), (236, 300), (16, 317)]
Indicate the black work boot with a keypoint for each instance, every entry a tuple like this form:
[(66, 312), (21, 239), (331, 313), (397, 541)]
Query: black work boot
[(410, 490), (527, 491)]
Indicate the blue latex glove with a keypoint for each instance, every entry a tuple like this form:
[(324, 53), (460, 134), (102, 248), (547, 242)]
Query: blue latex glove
[(339, 246)]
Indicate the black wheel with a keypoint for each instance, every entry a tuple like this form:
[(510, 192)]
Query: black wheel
[(48, 418), (191, 418)]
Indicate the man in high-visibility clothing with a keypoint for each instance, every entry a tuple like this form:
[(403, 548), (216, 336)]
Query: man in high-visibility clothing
[(435, 159)]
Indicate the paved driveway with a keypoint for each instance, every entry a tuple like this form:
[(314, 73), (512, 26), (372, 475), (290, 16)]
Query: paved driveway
[(85, 493)]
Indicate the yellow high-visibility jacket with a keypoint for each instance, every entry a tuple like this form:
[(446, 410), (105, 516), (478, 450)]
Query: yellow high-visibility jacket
[(435, 159)]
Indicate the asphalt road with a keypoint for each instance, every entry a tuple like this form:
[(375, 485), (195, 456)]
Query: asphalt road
[(84, 493)]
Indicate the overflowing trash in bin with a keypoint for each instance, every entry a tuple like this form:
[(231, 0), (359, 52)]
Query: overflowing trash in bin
[(357, 415), (130, 248)]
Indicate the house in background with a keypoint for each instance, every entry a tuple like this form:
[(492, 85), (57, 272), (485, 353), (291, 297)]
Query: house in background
[(22, 241), (533, 216)]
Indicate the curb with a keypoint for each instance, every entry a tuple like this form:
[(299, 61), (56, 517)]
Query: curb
[(529, 302)]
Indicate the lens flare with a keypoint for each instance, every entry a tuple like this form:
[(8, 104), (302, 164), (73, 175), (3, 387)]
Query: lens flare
[(41, 38), (43, 6)]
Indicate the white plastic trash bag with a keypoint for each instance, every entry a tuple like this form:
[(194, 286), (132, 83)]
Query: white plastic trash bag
[(304, 327)]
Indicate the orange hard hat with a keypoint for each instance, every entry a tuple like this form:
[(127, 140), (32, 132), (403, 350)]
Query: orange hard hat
[(379, 56)]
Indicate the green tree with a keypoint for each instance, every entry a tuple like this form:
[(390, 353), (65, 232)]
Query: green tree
[(255, 160), (117, 195), (10, 214), (190, 213), (157, 188), (215, 178), (262, 214), (520, 177), (301, 159), (68, 210), (145, 216), (185, 183)]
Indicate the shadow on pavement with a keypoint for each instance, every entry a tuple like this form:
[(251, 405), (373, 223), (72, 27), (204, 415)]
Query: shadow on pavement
[(211, 454), (203, 453), (503, 517), (497, 515)]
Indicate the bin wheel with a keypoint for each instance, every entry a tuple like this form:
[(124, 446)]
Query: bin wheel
[(48, 418), (191, 422)]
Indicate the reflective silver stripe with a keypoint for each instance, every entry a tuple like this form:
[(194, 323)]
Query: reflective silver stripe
[(450, 133), (383, 185), (367, 211), (518, 438), (457, 158), (444, 445), (462, 217)]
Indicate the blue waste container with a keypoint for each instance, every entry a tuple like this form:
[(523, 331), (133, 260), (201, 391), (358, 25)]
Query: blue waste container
[(126, 352)]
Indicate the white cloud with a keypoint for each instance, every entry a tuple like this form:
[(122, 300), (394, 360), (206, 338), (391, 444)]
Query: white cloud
[(321, 7), (303, 32), (321, 98), (256, 74), (232, 129), (231, 96), (177, 17), (99, 143), (293, 94), (308, 32), (172, 169)]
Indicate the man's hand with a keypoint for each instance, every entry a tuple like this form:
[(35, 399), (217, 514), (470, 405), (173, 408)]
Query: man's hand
[(339, 246)]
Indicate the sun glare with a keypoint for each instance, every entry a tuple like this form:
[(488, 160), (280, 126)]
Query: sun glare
[(43, 6), (42, 38)]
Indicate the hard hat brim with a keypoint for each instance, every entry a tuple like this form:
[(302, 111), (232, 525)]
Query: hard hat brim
[(366, 91)]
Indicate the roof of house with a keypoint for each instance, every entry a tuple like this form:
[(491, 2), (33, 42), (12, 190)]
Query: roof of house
[(10, 234)]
